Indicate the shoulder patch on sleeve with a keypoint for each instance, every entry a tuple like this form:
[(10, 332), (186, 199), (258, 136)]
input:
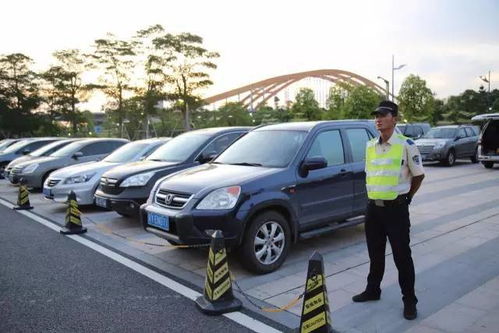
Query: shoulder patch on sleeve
[(415, 158), (409, 141)]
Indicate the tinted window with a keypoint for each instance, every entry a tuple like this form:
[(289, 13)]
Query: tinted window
[(15, 147), (50, 148), (358, 138), (98, 148), (222, 142), (441, 133), (273, 149), (126, 153), (461, 133), (179, 148), (35, 145), (328, 145), (69, 149), (469, 131)]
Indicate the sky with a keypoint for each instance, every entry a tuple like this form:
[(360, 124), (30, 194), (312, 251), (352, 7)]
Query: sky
[(449, 43)]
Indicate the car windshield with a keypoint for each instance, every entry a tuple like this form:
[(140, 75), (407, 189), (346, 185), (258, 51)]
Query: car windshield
[(273, 149), (402, 128), (69, 149), (45, 149), (5, 143), (441, 133), (126, 153), (179, 148), (16, 146)]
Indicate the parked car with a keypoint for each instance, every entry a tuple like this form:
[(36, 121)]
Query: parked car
[(87, 150), (448, 143), (20, 148), (84, 178), (488, 143), (43, 151), (6, 143), (124, 188), (414, 130), (276, 185)]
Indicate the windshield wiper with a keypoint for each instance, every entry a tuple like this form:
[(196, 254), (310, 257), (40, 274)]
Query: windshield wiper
[(246, 164), (156, 160)]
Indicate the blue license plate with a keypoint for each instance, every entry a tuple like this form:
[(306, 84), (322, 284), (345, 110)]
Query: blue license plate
[(101, 202), (158, 221), (47, 192)]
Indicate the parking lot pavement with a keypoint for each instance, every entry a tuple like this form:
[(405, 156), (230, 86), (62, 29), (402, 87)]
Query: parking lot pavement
[(455, 241)]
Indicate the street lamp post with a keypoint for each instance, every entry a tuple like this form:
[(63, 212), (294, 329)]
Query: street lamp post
[(387, 83), (393, 76), (484, 79)]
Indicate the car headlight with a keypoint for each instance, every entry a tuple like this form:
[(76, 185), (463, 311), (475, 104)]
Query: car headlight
[(439, 145), (223, 198), (30, 168), (138, 180), (79, 179)]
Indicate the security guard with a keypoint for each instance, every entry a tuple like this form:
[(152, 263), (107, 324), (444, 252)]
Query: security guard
[(394, 173)]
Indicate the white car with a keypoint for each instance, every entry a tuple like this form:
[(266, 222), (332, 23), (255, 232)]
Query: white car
[(83, 179)]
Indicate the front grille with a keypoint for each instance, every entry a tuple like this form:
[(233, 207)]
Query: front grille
[(109, 186), (111, 182), (424, 150), (53, 182), (169, 199)]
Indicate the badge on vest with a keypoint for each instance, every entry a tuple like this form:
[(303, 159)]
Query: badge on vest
[(415, 158)]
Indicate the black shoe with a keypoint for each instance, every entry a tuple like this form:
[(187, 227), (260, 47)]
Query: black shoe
[(410, 311), (366, 296)]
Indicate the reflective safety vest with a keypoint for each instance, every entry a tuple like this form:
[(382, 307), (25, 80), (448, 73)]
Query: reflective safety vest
[(383, 170)]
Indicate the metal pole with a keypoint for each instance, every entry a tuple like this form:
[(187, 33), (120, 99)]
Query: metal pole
[(393, 76)]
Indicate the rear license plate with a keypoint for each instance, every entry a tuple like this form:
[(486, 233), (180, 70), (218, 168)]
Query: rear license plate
[(47, 192), (101, 202), (158, 221)]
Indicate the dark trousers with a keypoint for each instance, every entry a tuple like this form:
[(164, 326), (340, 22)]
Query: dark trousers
[(390, 222)]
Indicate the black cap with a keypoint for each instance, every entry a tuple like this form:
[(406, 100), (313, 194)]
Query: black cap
[(385, 107)]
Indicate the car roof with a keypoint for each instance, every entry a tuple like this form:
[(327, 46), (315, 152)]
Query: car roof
[(218, 130), (486, 116), (309, 125), (153, 140), (103, 139)]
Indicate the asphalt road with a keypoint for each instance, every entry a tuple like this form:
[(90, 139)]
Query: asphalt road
[(49, 282)]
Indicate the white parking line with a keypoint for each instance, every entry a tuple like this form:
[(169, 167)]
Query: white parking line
[(238, 317)]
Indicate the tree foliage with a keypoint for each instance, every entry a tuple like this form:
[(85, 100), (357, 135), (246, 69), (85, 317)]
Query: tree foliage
[(306, 106), (415, 99)]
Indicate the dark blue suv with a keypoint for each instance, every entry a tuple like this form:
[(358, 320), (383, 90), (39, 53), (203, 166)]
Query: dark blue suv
[(275, 185)]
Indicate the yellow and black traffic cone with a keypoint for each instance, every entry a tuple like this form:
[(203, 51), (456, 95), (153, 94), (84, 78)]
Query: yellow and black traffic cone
[(73, 219), (23, 196), (218, 297), (315, 311)]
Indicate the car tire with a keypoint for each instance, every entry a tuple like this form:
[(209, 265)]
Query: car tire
[(450, 159), (488, 165), (273, 233), (474, 158)]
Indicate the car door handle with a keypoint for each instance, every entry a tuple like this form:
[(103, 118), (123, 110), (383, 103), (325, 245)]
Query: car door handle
[(343, 172)]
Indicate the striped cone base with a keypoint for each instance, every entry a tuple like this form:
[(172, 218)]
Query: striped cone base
[(23, 198), (315, 311), (217, 297), (73, 220)]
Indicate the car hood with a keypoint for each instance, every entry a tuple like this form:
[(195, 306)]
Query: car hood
[(22, 159), (83, 168), (128, 169), (40, 160), (432, 142), (207, 177)]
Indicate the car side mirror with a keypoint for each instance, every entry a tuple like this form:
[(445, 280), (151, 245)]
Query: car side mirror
[(26, 151), (207, 156), (458, 138), (77, 155), (312, 163)]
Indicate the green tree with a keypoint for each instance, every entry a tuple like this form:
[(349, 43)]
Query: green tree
[(19, 95), (335, 102), (188, 66), (415, 99), (64, 86), (360, 102), (117, 60), (305, 105)]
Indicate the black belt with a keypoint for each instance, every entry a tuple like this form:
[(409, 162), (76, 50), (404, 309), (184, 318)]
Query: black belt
[(400, 200)]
